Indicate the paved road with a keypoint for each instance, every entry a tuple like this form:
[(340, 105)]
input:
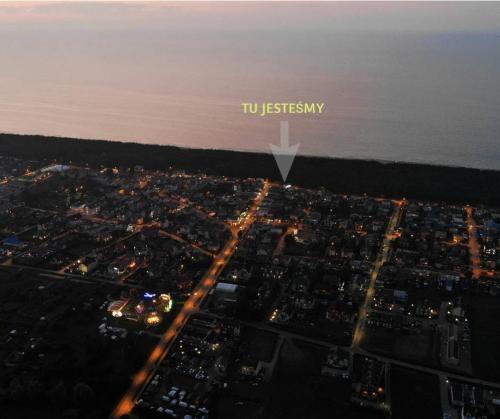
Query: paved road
[(359, 351), (48, 273), (359, 331), (141, 379), (475, 258), (428, 370), (181, 240)]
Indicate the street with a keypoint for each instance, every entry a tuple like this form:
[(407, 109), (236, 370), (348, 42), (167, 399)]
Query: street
[(141, 379)]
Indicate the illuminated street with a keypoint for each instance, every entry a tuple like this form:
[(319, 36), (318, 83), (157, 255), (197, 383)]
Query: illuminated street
[(473, 245), (359, 331), (271, 211), (141, 379)]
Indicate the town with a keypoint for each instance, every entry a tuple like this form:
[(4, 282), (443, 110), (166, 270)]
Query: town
[(127, 292)]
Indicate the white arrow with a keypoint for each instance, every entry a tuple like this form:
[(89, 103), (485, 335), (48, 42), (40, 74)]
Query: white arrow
[(284, 154)]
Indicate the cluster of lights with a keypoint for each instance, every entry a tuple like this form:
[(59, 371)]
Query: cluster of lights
[(153, 319), (167, 302), (116, 313), (274, 315)]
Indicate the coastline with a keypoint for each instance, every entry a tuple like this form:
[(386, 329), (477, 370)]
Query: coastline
[(451, 184)]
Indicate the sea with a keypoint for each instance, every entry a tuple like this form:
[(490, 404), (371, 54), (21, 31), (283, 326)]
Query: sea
[(391, 95)]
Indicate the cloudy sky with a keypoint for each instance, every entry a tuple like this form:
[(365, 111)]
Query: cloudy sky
[(400, 81)]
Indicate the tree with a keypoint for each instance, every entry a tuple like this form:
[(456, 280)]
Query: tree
[(16, 390), (70, 414), (34, 391), (58, 394), (83, 396)]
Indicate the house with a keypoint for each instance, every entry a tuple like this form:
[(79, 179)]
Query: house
[(226, 292), (13, 241)]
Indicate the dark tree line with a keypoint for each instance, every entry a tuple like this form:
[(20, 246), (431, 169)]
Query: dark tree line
[(395, 180)]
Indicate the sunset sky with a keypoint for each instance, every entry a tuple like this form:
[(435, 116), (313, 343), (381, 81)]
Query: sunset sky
[(401, 81)]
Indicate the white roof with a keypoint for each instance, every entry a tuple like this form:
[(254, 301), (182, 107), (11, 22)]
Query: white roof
[(55, 168), (226, 287)]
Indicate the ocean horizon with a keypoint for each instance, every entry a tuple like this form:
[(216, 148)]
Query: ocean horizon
[(397, 82)]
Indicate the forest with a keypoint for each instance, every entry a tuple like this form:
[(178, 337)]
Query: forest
[(374, 178)]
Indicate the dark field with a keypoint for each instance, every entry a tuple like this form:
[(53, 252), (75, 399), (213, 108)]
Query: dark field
[(414, 395), (485, 338), (300, 391)]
